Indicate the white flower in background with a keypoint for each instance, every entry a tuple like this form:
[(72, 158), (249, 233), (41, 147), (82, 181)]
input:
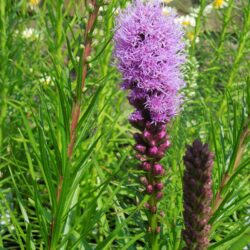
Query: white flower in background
[(46, 80), (219, 4), (208, 9), (186, 21), (100, 18), (167, 1), (194, 12), (167, 10), (30, 33), (77, 58)]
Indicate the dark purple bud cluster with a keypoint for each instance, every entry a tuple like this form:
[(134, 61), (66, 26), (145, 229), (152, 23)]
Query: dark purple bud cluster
[(151, 144), (197, 195), (152, 141)]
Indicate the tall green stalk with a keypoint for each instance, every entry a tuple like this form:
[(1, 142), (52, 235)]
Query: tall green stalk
[(198, 27), (3, 76), (240, 53), (226, 23)]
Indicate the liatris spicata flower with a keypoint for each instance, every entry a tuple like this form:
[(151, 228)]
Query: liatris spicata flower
[(197, 189), (149, 50)]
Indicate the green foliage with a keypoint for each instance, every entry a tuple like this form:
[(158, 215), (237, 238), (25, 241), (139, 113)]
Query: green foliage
[(92, 200)]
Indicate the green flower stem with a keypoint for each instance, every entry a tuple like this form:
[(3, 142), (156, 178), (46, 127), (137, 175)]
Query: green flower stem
[(153, 223), (154, 234)]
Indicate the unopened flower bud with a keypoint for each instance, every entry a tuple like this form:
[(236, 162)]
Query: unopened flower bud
[(140, 157), (147, 135), (146, 166), (150, 189), (159, 195), (165, 145), (140, 148), (153, 209), (159, 186), (158, 169), (153, 151), (161, 135), (144, 180), (160, 155)]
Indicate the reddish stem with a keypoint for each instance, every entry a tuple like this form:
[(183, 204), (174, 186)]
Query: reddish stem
[(75, 117), (86, 53), (76, 106)]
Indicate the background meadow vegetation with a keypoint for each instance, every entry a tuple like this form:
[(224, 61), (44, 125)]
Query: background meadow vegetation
[(91, 199)]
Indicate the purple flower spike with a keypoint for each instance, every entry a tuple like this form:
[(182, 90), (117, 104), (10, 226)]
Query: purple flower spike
[(149, 52)]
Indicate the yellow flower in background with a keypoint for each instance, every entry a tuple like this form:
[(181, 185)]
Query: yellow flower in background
[(219, 4), (34, 2), (167, 1), (190, 36)]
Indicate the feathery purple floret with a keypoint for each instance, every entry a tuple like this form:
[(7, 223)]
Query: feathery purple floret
[(149, 49)]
